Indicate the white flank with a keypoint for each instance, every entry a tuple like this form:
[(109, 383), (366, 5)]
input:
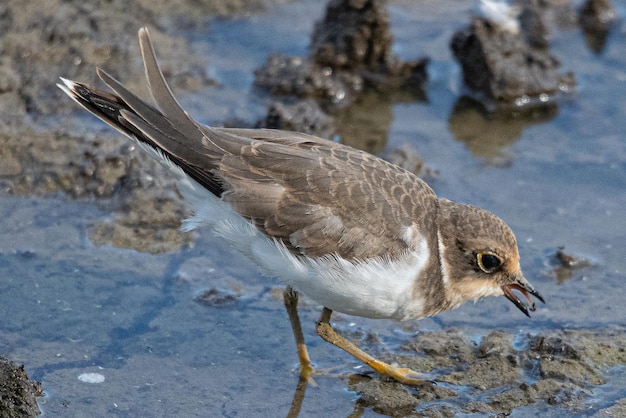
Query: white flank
[(374, 288)]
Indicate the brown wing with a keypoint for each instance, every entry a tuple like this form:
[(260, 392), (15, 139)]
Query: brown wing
[(317, 196), (324, 199)]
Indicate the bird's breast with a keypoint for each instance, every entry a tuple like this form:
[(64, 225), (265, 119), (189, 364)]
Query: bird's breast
[(373, 288)]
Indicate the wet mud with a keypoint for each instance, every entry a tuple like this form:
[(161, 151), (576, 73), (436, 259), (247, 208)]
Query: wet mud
[(46, 150), (497, 374)]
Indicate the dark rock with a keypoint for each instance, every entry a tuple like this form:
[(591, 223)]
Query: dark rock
[(215, 298), (18, 394), (303, 116), (564, 265), (295, 76), (570, 261), (499, 65), (350, 48), (354, 35)]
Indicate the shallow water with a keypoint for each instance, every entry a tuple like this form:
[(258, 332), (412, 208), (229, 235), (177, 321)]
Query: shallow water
[(557, 178)]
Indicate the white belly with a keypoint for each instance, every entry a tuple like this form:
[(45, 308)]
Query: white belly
[(375, 288)]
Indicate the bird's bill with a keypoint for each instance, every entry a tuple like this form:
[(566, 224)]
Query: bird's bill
[(526, 289)]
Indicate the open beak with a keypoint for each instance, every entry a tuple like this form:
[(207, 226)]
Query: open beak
[(526, 289)]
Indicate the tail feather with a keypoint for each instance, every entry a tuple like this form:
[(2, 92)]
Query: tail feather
[(161, 92), (169, 129), (158, 127), (101, 103)]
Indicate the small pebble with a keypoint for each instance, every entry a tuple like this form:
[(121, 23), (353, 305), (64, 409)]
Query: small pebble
[(91, 377)]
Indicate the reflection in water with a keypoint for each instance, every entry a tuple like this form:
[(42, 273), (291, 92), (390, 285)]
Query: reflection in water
[(597, 18), (596, 38), (486, 134), (563, 264), (298, 398), (365, 123)]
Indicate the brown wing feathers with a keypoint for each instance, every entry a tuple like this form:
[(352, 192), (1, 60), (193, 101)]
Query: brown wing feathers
[(295, 187)]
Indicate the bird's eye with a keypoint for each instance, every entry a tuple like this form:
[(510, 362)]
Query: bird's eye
[(488, 262)]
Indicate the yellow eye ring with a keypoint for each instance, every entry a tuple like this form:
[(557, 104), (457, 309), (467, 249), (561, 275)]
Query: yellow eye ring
[(488, 262)]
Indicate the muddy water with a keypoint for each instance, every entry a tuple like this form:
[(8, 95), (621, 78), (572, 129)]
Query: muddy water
[(85, 289)]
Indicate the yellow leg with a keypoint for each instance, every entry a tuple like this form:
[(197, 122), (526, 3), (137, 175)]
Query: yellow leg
[(402, 375), (290, 298)]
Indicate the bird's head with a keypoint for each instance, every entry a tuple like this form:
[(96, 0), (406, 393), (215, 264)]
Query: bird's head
[(479, 257)]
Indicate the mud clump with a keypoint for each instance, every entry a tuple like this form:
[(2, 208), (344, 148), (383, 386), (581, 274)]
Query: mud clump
[(295, 76), (303, 116), (216, 298), (18, 394), (499, 65), (355, 36), (499, 373), (570, 261), (564, 265), (350, 53), (581, 357)]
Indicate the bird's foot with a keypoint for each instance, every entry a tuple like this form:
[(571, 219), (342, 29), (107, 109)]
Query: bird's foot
[(406, 376)]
